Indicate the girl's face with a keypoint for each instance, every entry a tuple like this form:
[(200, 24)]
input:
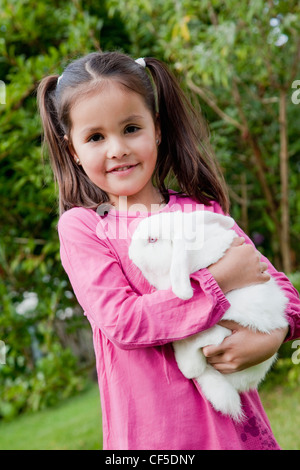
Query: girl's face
[(115, 138)]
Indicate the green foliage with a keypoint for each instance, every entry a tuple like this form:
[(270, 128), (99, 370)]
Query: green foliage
[(38, 372), (36, 39), (53, 378), (237, 57), (240, 54), (295, 279)]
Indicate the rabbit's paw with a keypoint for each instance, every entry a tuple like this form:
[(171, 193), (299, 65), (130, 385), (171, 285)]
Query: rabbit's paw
[(222, 396), (183, 292)]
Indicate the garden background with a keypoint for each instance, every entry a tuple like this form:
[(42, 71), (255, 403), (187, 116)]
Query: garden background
[(239, 61)]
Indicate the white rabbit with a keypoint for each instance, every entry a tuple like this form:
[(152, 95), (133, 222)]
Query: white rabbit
[(167, 247)]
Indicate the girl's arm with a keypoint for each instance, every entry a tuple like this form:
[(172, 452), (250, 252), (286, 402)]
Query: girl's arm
[(246, 348), (128, 319), (292, 311)]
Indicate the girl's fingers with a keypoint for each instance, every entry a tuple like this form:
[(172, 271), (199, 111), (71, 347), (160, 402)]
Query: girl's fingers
[(238, 241), (212, 351)]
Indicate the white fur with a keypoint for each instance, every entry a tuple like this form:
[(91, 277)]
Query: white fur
[(167, 248)]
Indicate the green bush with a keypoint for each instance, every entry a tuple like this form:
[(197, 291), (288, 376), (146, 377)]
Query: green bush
[(36, 39), (295, 280), (40, 38), (53, 378)]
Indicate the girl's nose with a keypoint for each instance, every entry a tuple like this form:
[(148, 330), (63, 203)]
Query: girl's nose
[(116, 148)]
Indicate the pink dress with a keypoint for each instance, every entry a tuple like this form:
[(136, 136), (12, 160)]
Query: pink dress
[(146, 401)]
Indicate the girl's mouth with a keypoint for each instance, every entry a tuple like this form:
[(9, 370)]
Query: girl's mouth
[(122, 169)]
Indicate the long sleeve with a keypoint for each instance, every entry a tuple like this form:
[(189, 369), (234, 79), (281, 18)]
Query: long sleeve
[(128, 319)]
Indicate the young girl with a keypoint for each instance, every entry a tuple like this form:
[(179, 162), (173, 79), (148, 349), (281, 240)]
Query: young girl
[(116, 129)]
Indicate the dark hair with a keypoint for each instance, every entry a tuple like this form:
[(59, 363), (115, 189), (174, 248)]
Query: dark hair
[(184, 149)]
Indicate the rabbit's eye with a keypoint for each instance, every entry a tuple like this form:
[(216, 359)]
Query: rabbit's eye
[(152, 240)]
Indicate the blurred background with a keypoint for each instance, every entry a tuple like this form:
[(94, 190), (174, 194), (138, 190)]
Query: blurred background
[(239, 61)]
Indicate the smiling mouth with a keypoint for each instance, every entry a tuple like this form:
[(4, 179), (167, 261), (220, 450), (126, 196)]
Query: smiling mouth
[(122, 168)]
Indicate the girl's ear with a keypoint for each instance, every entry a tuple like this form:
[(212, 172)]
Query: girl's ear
[(71, 149)]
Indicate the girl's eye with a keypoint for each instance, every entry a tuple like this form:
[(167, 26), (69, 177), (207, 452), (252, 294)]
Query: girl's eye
[(95, 138), (131, 129), (152, 240)]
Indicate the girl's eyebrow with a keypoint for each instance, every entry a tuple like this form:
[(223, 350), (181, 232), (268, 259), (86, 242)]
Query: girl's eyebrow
[(90, 130), (131, 118)]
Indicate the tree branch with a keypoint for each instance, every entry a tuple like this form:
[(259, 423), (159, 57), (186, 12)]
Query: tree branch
[(261, 168), (213, 105), (284, 178)]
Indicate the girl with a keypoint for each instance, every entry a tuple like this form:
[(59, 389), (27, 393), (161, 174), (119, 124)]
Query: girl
[(116, 129)]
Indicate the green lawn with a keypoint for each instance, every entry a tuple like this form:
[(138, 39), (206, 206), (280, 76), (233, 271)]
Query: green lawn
[(283, 409), (76, 423)]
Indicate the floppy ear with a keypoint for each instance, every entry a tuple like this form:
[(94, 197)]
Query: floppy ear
[(179, 271), (224, 220)]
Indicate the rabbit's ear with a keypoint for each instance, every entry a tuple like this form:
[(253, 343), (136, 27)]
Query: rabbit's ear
[(225, 221), (179, 271)]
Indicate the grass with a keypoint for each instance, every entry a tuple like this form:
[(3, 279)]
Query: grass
[(282, 405), (75, 424)]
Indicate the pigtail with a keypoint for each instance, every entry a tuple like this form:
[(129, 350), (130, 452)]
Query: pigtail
[(53, 134), (75, 188), (184, 148)]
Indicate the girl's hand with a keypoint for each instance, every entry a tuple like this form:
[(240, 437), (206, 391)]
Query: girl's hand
[(239, 267), (244, 348)]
